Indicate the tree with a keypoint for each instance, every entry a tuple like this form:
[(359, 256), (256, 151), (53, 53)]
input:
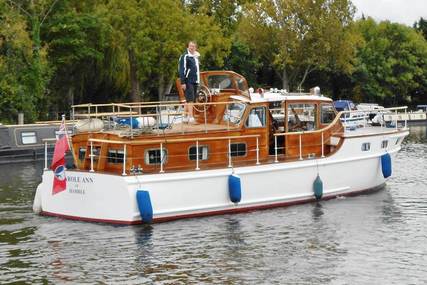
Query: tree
[(147, 38), (226, 13), (421, 26), (29, 61), (15, 46), (129, 46), (76, 38), (298, 37), (173, 25), (392, 64)]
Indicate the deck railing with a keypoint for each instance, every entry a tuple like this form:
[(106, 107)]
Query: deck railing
[(385, 115), (341, 117), (324, 134), (171, 111), (161, 143)]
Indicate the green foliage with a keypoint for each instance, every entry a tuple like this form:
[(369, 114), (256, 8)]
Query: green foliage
[(146, 39), (226, 13), (392, 65), (57, 53), (421, 26), (24, 59), (243, 61), (298, 37), (15, 67)]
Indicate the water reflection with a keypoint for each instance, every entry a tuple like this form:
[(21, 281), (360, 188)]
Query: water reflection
[(234, 234), (417, 134), (376, 238), (143, 235), (317, 211), (390, 210)]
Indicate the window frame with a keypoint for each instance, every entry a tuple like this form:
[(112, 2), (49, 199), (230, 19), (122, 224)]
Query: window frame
[(26, 135), (82, 150), (231, 118), (307, 123), (118, 157), (263, 120), (321, 113), (146, 155), (200, 153), (366, 146), (236, 155), (384, 144)]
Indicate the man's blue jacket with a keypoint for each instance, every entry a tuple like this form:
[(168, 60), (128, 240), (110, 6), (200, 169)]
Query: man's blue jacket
[(188, 68)]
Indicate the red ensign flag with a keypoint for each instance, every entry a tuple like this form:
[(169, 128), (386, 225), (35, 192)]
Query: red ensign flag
[(58, 161)]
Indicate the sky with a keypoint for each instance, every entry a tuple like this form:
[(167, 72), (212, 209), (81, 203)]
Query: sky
[(401, 11)]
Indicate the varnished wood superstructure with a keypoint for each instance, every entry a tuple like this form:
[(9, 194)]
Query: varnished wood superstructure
[(215, 140)]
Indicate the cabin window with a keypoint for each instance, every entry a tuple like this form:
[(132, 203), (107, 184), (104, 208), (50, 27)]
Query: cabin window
[(29, 137), (327, 113), (242, 85), (238, 149), (203, 152), (115, 156), (82, 153), (256, 118), (152, 156), (366, 146), (220, 82), (234, 113), (96, 152), (301, 117), (384, 144)]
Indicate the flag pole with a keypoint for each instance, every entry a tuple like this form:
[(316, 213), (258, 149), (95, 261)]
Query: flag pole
[(68, 141)]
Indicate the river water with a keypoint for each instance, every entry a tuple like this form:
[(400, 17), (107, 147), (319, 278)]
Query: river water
[(377, 238)]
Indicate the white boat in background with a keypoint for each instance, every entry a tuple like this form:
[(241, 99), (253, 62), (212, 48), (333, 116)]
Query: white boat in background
[(354, 119), (370, 109), (237, 157), (387, 117)]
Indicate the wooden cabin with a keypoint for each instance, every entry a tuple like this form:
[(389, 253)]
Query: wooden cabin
[(233, 128)]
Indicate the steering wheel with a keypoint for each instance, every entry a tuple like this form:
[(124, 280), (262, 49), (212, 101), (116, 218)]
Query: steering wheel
[(203, 96), (298, 127)]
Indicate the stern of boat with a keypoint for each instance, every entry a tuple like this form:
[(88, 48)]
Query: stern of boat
[(88, 196)]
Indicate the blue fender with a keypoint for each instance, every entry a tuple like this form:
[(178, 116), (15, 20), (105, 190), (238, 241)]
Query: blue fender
[(127, 122), (234, 188), (386, 165), (144, 206)]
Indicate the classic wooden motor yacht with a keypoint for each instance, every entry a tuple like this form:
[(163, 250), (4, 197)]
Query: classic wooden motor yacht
[(245, 151)]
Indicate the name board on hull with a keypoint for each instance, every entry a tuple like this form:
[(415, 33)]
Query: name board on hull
[(78, 184)]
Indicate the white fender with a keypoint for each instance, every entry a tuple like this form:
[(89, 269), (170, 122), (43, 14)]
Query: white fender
[(146, 122), (37, 204), (89, 125)]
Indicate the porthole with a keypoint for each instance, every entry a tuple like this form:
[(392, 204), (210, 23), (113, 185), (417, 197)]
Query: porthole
[(366, 146), (384, 144)]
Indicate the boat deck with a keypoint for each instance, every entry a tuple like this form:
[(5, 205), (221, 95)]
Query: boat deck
[(176, 128), (368, 131), (191, 127)]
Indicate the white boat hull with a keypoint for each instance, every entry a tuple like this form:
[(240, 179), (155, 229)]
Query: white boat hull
[(111, 198)]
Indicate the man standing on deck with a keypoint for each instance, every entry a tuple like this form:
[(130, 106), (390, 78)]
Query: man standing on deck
[(189, 75)]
